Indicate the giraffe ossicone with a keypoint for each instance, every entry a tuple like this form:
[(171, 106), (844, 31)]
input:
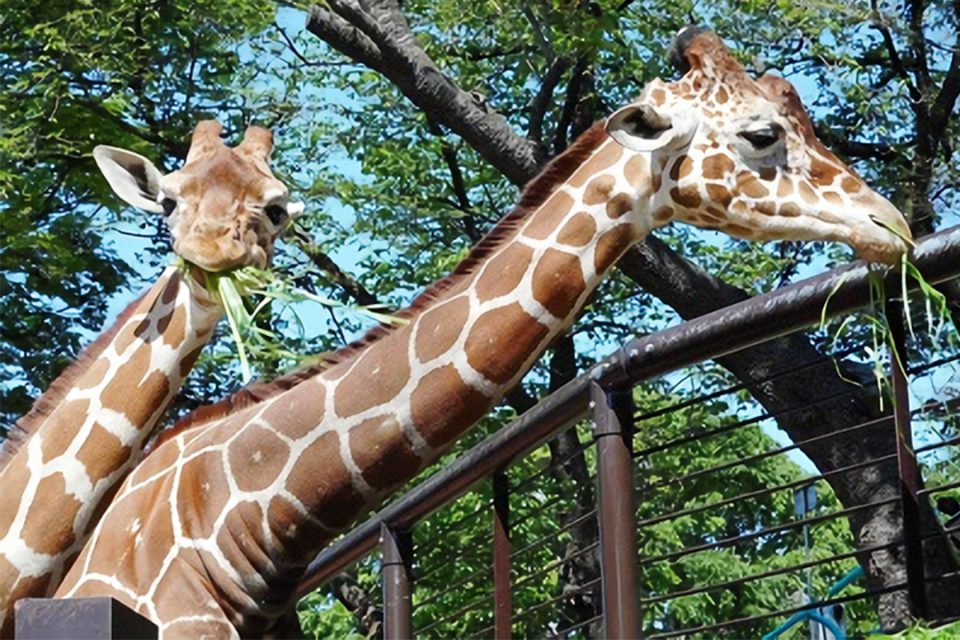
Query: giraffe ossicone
[(225, 210), (230, 511)]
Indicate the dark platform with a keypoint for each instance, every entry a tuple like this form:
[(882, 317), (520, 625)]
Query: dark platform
[(79, 619)]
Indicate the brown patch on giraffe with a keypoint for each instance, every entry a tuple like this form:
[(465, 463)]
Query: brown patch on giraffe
[(784, 187), (256, 457), (443, 405), (176, 329), (716, 167), (766, 207), (681, 168), (496, 352), (601, 161), (382, 452), (379, 376), (611, 246), (129, 383), (663, 214), (439, 328), (180, 591), (169, 293), (16, 475), (722, 96), (94, 518), (687, 196), (768, 173), (719, 194), (637, 170), (619, 205), (656, 181), (850, 184), (558, 282), (578, 231), (748, 185), (548, 217), (807, 193), (658, 96), (242, 542), (203, 492), (63, 427), (504, 272), (94, 375), (186, 364), (823, 173), (50, 516), (204, 628), (832, 197), (790, 210), (738, 230), (291, 528), (298, 411), (101, 452), (713, 215), (598, 190), (321, 482)]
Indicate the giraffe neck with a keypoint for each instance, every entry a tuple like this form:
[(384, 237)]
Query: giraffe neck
[(253, 496), (88, 437)]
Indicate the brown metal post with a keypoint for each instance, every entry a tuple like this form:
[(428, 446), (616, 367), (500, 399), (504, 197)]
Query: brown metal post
[(613, 430), (501, 556), (397, 548), (911, 480)]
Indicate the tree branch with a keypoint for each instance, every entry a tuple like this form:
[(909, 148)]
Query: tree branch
[(325, 263)]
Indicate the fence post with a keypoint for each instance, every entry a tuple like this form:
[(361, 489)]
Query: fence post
[(501, 556), (910, 479), (613, 431), (397, 549)]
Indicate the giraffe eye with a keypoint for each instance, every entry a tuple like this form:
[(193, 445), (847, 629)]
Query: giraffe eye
[(168, 204), (761, 138), (276, 214)]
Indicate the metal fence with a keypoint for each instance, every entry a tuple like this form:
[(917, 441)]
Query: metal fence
[(586, 535)]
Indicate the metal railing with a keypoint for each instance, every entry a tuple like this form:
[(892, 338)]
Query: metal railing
[(605, 394)]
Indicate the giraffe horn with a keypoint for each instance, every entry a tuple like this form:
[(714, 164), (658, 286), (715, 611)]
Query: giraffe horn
[(206, 137), (257, 141), (698, 49)]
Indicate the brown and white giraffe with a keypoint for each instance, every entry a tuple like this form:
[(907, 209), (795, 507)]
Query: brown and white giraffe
[(209, 536), (70, 453)]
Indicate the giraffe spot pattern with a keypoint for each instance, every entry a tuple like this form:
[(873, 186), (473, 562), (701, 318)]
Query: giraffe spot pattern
[(439, 328), (129, 382), (93, 376), (102, 453), (381, 452), (598, 190), (578, 231), (719, 194), (558, 282), (619, 205), (64, 425), (504, 271), (256, 457), (176, 329), (850, 184), (321, 482), (686, 196), (442, 403), (544, 221), (716, 166), (51, 515), (681, 168), (784, 187), (602, 160), (663, 214), (203, 493), (494, 352), (15, 477), (637, 170), (290, 529), (807, 193), (823, 173), (306, 402), (748, 185), (377, 378), (611, 246)]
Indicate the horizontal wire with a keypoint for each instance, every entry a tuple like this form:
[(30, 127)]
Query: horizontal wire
[(554, 534), (459, 612), (550, 566)]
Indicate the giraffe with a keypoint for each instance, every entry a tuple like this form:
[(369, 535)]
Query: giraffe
[(210, 534), (224, 209)]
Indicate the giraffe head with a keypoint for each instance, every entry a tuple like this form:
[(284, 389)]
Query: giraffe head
[(224, 207), (740, 155)]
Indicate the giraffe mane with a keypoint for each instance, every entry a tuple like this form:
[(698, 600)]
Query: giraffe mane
[(24, 428), (535, 193)]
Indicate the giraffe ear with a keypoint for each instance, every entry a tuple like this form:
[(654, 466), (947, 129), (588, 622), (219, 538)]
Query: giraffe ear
[(639, 128), (131, 176)]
